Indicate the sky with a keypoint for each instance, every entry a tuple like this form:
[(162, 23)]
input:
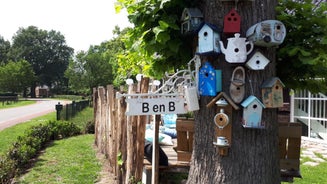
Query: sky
[(82, 22)]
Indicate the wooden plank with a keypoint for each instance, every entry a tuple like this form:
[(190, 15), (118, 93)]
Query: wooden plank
[(182, 142), (185, 125), (289, 164), (294, 146), (184, 156), (290, 131)]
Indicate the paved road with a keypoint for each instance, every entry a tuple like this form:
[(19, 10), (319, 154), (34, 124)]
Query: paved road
[(13, 116)]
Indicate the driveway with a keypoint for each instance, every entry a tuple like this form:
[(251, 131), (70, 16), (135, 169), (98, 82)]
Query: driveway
[(13, 116)]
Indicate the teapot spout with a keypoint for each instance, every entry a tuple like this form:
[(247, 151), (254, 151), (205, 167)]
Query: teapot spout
[(222, 48)]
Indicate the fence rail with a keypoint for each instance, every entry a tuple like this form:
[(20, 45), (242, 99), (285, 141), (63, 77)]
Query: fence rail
[(310, 109), (69, 110)]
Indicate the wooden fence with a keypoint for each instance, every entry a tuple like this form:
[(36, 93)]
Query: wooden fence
[(120, 137)]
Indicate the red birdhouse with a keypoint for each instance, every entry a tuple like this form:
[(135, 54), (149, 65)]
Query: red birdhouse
[(232, 22)]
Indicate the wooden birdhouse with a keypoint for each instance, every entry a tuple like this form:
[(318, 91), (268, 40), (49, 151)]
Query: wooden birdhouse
[(208, 40), (223, 128), (191, 19), (272, 93), (257, 62), (232, 22), (252, 112), (267, 33), (207, 80)]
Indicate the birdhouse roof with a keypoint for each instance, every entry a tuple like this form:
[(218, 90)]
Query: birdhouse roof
[(192, 12), (250, 100), (226, 97), (271, 82), (233, 11), (211, 26)]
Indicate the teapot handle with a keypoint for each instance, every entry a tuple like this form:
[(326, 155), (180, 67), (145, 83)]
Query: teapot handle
[(251, 47)]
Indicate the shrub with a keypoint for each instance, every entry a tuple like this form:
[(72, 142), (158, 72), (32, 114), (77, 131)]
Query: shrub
[(90, 127), (27, 146), (7, 170)]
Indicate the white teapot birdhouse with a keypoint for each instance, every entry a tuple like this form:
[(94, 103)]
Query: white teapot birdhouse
[(191, 19), (257, 62), (252, 112), (208, 40), (207, 80), (272, 93), (267, 33), (237, 49), (232, 22)]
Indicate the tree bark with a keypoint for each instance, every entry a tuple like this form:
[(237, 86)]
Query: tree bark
[(253, 155)]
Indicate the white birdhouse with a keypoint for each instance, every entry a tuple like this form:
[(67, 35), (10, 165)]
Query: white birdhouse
[(257, 62), (192, 18), (208, 40), (267, 33), (252, 112)]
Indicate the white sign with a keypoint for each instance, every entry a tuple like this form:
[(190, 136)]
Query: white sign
[(150, 106)]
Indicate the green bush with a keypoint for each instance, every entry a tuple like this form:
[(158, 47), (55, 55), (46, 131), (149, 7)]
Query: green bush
[(27, 146), (7, 171)]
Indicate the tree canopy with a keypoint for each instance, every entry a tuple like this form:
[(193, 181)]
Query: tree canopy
[(155, 44), (46, 51), (16, 76), (4, 49), (96, 67), (302, 58)]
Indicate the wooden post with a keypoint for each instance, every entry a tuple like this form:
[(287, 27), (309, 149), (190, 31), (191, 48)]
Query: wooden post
[(142, 121), (131, 131), (112, 126), (155, 153), (121, 138), (96, 120)]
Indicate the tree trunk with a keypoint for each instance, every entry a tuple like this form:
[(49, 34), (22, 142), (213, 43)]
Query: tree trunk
[(33, 86), (253, 155)]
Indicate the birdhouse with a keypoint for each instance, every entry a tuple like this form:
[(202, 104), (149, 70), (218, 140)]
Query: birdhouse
[(223, 128), (207, 80), (272, 92), (191, 19), (267, 33), (257, 62), (232, 22), (208, 40), (252, 112)]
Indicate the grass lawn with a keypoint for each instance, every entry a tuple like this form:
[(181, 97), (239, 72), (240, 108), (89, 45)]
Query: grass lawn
[(71, 160), (16, 104), (9, 135)]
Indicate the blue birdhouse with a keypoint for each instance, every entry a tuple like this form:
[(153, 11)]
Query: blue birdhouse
[(207, 80), (208, 40), (252, 112)]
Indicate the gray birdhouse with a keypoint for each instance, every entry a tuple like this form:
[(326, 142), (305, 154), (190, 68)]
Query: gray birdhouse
[(272, 92), (257, 62), (252, 113), (208, 40), (191, 19), (267, 33)]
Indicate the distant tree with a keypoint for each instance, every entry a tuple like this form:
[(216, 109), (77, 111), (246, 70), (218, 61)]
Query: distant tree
[(15, 77), (46, 51), (98, 66), (302, 58), (4, 49)]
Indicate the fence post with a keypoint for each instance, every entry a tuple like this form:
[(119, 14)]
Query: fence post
[(58, 109)]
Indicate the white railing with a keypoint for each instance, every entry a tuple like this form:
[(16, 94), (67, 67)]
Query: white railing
[(310, 109)]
